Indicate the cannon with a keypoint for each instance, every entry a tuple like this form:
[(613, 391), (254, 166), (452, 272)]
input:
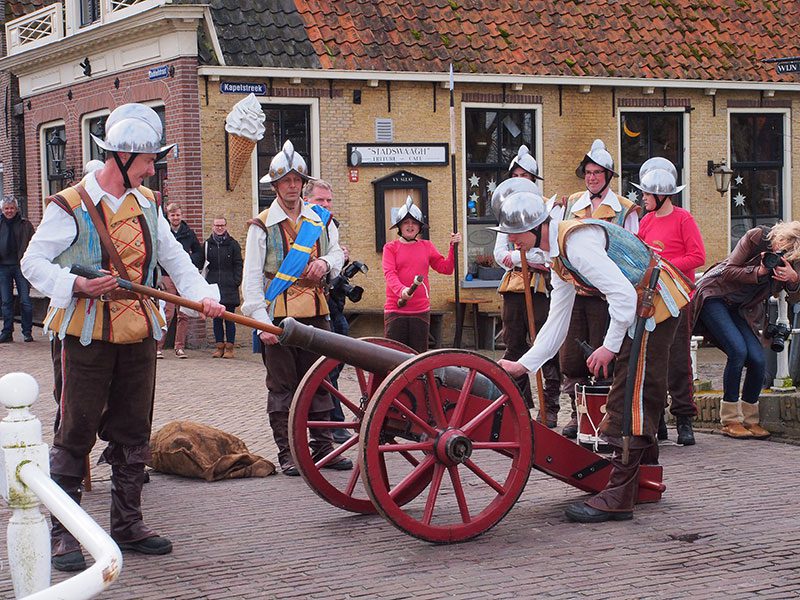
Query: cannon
[(443, 441)]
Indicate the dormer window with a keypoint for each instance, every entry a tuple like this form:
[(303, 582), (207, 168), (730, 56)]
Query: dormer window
[(89, 12)]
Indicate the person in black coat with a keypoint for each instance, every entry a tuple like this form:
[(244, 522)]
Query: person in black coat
[(184, 234), (223, 256)]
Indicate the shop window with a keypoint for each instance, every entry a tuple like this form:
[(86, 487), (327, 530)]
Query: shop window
[(757, 160), (645, 135), (54, 167), (283, 122), (493, 137)]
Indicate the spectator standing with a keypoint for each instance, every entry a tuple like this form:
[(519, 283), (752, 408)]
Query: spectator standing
[(223, 266), (187, 238), (672, 232), (730, 303), (403, 260), (15, 233)]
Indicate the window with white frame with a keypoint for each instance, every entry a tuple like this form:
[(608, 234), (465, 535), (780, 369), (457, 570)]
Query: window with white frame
[(757, 160), (53, 168), (284, 122), (645, 135), (493, 136)]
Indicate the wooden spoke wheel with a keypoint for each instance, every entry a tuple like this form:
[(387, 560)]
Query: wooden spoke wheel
[(313, 456), (451, 426)]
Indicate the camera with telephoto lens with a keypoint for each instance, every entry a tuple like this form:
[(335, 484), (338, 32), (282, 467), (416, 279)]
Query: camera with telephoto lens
[(772, 259), (778, 333), (341, 288)]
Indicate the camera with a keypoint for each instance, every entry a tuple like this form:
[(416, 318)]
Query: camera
[(340, 287), (778, 333), (772, 259)]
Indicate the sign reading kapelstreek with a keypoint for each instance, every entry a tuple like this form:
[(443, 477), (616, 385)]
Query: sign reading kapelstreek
[(387, 155), (236, 87), (792, 66)]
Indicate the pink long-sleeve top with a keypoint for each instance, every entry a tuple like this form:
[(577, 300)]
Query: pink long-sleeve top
[(676, 237), (402, 262)]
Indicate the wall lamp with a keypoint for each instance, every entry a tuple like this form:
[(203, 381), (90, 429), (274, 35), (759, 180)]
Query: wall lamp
[(56, 145), (722, 174)]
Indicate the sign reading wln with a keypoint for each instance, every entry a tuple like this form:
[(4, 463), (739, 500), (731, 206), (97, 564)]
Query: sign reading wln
[(788, 67)]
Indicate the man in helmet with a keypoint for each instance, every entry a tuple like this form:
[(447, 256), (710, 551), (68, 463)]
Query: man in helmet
[(514, 312), (672, 232), (403, 260), (585, 253), (269, 233), (589, 320), (104, 343)]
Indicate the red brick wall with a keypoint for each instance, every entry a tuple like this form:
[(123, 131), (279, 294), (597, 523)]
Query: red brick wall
[(182, 113)]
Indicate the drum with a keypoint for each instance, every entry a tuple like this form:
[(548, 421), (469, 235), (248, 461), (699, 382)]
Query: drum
[(590, 403)]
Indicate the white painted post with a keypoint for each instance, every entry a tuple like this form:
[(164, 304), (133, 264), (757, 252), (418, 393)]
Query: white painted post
[(20, 444), (783, 381)]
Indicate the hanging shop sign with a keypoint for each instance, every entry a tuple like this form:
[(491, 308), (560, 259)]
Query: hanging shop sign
[(389, 155)]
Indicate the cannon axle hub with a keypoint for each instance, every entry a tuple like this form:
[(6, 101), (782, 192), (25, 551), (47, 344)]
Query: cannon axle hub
[(453, 447)]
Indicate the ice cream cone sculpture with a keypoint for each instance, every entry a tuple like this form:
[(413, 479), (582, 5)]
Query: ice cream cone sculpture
[(245, 126)]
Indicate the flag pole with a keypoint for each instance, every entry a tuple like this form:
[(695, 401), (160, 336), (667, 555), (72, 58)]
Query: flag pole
[(456, 287)]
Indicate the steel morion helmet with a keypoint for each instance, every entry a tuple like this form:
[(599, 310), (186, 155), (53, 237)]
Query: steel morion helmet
[(284, 162), (133, 128), (657, 162), (518, 209), (409, 209), (513, 185), (525, 161), (599, 155), (659, 182)]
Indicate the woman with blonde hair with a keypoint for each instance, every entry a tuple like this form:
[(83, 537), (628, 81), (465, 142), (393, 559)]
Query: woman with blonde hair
[(730, 304)]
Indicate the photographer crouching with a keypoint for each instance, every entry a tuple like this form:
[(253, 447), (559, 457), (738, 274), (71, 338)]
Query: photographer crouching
[(730, 304), (319, 191)]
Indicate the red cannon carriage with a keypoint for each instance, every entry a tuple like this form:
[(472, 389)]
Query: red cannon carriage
[(442, 442)]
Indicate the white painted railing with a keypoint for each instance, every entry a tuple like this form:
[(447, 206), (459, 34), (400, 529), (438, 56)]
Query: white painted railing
[(25, 484), (35, 29)]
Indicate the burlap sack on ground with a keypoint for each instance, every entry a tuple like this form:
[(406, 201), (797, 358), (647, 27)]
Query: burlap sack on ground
[(195, 450)]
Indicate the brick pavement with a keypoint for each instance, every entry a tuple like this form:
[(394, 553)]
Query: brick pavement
[(727, 526)]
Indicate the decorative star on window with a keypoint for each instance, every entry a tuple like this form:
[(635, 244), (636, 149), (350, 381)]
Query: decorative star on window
[(633, 196), (473, 196), (739, 180), (739, 199), (491, 186), (474, 180)]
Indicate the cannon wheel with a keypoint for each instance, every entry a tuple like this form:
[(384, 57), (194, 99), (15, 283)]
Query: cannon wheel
[(329, 485), (473, 455)]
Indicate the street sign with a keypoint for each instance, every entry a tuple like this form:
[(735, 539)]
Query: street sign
[(158, 72), (227, 87), (788, 67)]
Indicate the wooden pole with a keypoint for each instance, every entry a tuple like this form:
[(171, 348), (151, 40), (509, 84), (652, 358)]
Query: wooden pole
[(526, 285)]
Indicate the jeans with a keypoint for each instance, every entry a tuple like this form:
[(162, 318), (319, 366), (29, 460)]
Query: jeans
[(742, 348), (225, 329), (10, 274)]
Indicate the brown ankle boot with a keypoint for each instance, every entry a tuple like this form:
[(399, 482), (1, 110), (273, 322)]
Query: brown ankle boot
[(228, 350), (220, 351), (751, 420), (731, 420)]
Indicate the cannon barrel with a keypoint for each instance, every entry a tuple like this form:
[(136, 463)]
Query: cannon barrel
[(351, 351)]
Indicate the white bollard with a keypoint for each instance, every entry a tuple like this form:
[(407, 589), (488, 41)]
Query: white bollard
[(783, 381), (20, 444)]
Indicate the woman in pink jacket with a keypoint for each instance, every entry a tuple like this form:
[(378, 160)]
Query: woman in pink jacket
[(406, 314)]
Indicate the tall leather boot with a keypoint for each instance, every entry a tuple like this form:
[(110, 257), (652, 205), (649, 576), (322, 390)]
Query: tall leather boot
[(685, 433), (751, 420), (220, 351), (279, 422), (228, 350), (321, 444), (65, 549), (731, 421), (127, 525)]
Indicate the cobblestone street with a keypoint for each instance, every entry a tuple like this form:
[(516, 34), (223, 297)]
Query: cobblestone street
[(725, 528)]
